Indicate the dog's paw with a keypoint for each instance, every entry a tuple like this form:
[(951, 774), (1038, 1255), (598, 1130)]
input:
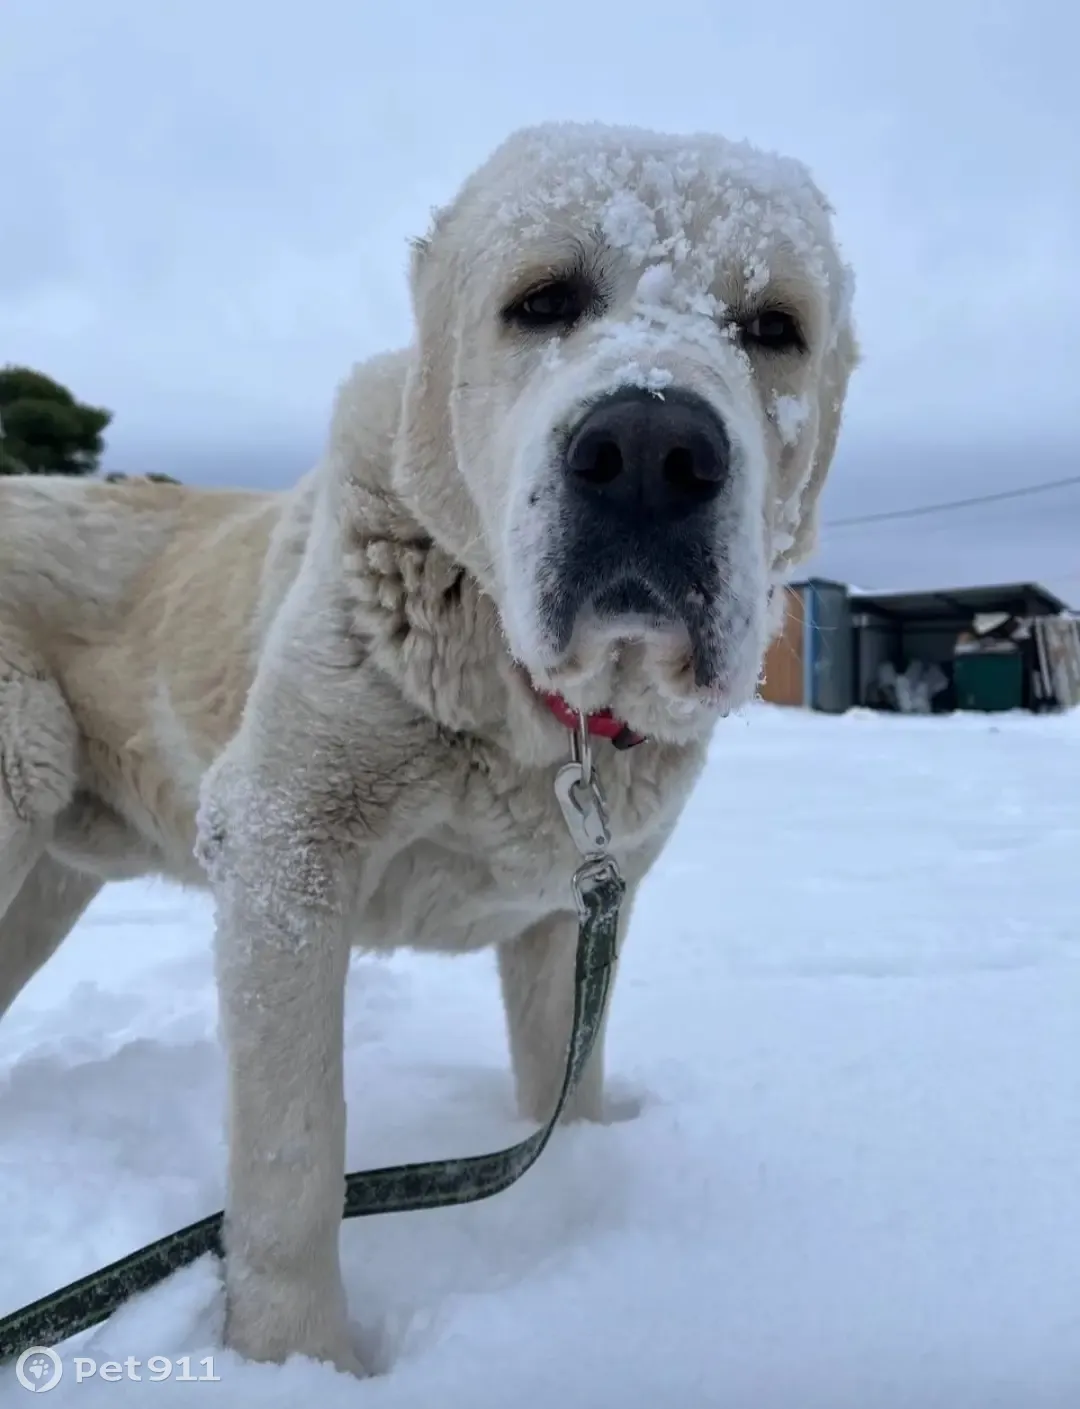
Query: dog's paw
[(346, 1361), (613, 1106), (279, 1347), (621, 1104), (266, 1320)]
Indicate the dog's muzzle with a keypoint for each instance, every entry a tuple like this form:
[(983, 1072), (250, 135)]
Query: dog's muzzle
[(644, 477)]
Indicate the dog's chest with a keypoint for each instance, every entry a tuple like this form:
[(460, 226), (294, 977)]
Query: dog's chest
[(504, 860)]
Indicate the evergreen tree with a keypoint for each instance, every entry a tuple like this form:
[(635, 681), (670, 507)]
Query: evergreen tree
[(44, 430)]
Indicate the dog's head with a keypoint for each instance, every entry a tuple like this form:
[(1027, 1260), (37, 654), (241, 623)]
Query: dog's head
[(632, 355)]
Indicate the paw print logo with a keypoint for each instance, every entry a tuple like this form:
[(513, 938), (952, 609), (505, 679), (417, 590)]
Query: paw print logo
[(39, 1369)]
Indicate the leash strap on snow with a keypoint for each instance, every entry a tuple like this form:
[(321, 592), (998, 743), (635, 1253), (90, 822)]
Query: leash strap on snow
[(598, 891)]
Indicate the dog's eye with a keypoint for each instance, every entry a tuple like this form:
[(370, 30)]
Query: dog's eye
[(774, 330), (559, 303)]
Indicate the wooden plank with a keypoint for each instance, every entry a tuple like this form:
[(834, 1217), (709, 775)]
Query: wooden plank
[(783, 681)]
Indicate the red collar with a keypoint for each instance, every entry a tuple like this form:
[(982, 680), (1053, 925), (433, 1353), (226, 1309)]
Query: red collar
[(602, 725)]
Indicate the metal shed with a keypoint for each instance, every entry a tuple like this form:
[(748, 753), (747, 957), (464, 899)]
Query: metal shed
[(899, 630), (1014, 646), (811, 662)]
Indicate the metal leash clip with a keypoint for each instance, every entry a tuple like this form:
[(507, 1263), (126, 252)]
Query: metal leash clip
[(584, 810)]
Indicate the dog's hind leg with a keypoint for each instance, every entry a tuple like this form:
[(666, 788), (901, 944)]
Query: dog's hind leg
[(38, 763), (41, 916)]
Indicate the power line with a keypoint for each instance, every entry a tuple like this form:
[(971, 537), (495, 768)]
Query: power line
[(949, 504)]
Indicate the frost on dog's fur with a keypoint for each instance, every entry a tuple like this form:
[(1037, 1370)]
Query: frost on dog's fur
[(684, 235), (335, 673)]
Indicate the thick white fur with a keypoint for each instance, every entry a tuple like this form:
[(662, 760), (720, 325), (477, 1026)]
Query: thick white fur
[(320, 702)]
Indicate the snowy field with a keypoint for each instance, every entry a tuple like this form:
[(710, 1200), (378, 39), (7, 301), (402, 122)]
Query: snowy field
[(850, 1009)]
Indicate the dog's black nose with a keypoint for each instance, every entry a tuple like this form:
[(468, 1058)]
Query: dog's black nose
[(664, 454)]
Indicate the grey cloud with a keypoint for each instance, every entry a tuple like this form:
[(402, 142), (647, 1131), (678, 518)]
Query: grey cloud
[(207, 206)]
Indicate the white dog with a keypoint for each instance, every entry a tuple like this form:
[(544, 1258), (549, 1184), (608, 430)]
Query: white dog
[(580, 486)]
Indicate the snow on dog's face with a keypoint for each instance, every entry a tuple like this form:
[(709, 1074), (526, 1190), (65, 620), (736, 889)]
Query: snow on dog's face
[(636, 348)]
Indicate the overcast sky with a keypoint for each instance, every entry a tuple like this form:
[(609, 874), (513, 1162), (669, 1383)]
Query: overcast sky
[(206, 205)]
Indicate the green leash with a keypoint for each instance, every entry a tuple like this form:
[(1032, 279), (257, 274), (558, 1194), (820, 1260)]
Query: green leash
[(598, 892)]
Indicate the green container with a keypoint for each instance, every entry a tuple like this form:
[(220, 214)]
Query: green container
[(990, 681)]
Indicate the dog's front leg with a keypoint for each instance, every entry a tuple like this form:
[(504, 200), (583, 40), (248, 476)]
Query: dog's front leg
[(282, 952)]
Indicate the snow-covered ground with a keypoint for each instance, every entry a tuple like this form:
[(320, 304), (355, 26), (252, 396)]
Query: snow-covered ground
[(850, 1006)]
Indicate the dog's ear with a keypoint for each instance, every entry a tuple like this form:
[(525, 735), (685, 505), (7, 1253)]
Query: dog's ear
[(822, 433), (425, 472)]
